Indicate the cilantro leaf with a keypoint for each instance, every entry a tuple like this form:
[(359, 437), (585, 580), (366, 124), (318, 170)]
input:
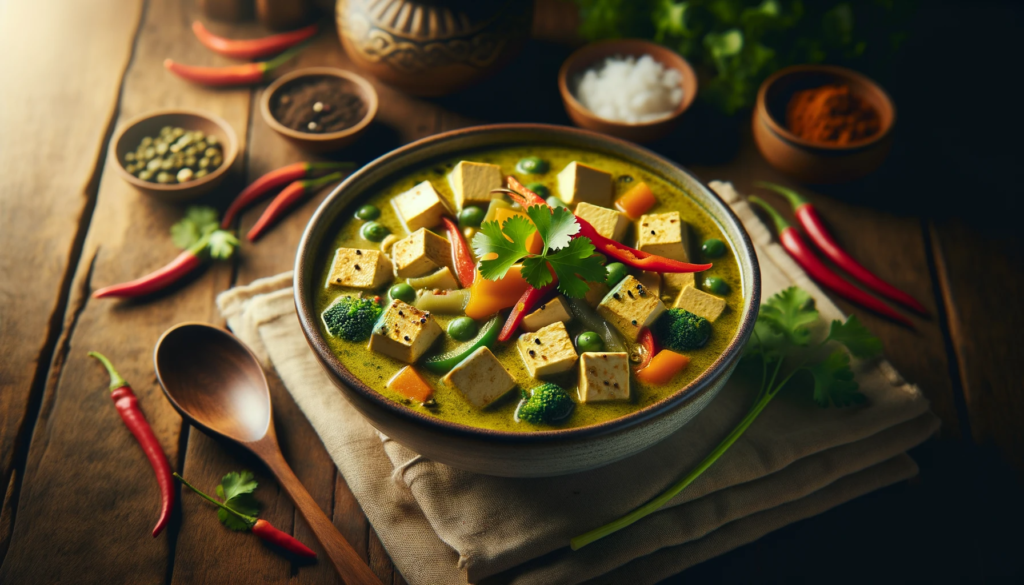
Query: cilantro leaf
[(222, 244), (574, 265), (199, 221), (856, 337), (536, 272), (237, 482), (236, 490), (833, 381), (556, 226), (509, 250), (789, 313)]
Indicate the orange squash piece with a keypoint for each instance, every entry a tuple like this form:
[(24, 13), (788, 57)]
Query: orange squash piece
[(663, 367), (487, 297), (637, 201), (410, 384), (535, 244)]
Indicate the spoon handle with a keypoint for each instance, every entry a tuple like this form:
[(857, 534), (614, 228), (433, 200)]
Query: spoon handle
[(346, 561)]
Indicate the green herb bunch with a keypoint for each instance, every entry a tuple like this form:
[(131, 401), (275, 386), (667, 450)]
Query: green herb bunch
[(745, 41), (781, 351)]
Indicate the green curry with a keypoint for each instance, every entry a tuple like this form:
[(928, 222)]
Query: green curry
[(448, 403)]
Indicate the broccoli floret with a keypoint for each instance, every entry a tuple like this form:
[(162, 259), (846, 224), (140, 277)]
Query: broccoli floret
[(546, 404), (352, 318), (680, 330)]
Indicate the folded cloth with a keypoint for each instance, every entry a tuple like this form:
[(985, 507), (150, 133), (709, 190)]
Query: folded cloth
[(443, 525)]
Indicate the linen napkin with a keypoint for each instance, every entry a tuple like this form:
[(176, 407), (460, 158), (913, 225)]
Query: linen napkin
[(446, 526)]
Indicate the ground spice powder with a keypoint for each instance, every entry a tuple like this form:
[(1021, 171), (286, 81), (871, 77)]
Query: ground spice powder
[(831, 114), (325, 104)]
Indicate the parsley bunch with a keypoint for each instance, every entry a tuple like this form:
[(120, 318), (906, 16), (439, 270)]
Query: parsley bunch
[(782, 346), (572, 260)]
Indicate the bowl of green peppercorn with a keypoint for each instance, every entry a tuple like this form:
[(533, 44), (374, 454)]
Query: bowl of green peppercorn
[(174, 155)]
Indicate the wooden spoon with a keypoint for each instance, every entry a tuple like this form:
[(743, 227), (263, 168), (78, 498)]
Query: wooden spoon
[(217, 385)]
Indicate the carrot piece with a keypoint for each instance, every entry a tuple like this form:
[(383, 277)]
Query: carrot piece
[(410, 384), (663, 367), (487, 297), (535, 244), (637, 201)]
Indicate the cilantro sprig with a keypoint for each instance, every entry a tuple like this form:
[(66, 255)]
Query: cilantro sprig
[(199, 229), (571, 260), (783, 351)]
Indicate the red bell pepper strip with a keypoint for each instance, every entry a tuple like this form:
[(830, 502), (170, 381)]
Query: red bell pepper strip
[(260, 527), (795, 245), (649, 346), (128, 407), (287, 198), (633, 257), (275, 179), (251, 48), (812, 223), (526, 304), (462, 259), (246, 74)]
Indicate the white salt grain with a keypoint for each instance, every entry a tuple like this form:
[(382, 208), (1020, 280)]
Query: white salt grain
[(626, 89)]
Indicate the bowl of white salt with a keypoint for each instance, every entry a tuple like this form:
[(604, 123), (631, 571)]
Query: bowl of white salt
[(628, 88)]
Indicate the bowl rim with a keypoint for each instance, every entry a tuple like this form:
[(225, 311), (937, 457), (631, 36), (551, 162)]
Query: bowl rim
[(229, 157), (366, 86), (704, 382), (783, 133), (638, 46)]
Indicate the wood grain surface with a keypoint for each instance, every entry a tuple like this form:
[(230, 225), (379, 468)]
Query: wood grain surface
[(79, 499)]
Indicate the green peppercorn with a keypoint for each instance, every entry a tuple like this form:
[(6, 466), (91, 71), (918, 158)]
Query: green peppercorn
[(532, 165), (204, 162), (129, 157), (471, 217), (713, 248), (402, 292), (589, 341), (201, 173), (374, 231), (184, 175), (146, 175), (164, 177), (368, 213), (212, 140), (540, 190), (716, 285), (462, 329)]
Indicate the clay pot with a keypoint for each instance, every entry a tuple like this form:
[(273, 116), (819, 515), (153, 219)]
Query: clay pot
[(432, 47)]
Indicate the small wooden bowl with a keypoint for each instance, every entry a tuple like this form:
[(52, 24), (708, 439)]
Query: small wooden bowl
[(814, 162), (595, 53), (133, 131), (327, 141)]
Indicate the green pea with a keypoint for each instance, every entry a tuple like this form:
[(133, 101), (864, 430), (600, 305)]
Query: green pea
[(402, 292), (471, 217), (556, 202), (532, 165), (367, 213), (462, 329), (589, 341), (373, 231), (616, 272), (716, 285), (713, 248), (540, 189)]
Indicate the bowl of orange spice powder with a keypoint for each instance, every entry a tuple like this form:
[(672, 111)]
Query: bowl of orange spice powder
[(823, 124)]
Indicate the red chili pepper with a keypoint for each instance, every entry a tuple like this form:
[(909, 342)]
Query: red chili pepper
[(526, 198), (794, 243), (288, 197), (526, 304), (275, 179), (158, 280), (260, 527), (649, 345), (465, 267), (812, 223), (251, 48), (128, 407), (246, 74)]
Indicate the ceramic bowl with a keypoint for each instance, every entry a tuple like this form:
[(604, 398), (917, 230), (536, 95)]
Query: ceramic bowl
[(594, 54), (326, 141), (533, 454), (128, 136), (813, 162)]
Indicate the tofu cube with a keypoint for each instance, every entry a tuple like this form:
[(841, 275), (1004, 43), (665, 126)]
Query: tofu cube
[(700, 303), (596, 294), (368, 269), (651, 280), (421, 252), (480, 378), (472, 183), (608, 222), (404, 332), (578, 182), (629, 307), (664, 234), (604, 376), (674, 283), (419, 207), (547, 351), (548, 313)]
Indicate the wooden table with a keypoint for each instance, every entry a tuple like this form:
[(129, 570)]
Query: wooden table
[(79, 500)]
